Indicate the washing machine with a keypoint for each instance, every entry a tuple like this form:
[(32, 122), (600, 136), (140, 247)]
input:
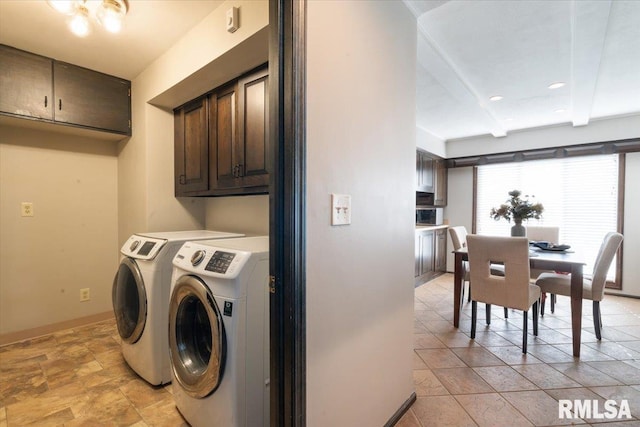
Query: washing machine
[(140, 295), (219, 332)]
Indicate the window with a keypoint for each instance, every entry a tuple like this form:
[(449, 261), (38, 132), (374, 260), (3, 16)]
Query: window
[(579, 195)]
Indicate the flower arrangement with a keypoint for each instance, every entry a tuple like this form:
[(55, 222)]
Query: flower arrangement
[(517, 208)]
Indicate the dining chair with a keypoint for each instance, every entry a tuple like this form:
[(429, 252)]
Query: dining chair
[(513, 290), (459, 240), (593, 286), (543, 234)]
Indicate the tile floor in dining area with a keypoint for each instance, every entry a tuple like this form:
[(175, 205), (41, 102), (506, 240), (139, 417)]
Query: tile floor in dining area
[(489, 382), (78, 377)]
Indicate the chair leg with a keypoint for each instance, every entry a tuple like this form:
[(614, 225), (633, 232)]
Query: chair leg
[(488, 313), (469, 297), (525, 317), (542, 298), (597, 320), (506, 313), (474, 313), (535, 319), (553, 303)]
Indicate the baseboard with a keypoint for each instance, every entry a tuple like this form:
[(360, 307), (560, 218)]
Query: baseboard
[(401, 411), (13, 337)]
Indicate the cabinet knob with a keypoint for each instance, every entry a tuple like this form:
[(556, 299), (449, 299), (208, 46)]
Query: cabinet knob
[(60, 104), (46, 101)]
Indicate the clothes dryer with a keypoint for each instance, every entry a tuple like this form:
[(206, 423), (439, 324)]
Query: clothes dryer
[(219, 332), (140, 295)]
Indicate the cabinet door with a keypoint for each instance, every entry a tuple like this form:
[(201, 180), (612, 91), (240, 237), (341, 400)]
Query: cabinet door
[(428, 252), (441, 250), (25, 84), (222, 136), (425, 172), (253, 132), (88, 98), (440, 193), (191, 147)]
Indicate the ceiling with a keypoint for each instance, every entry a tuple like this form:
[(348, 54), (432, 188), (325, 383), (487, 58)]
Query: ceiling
[(150, 29), (469, 51)]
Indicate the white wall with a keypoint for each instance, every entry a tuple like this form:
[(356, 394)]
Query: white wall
[(145, 164), (360, 141), (71, 241)]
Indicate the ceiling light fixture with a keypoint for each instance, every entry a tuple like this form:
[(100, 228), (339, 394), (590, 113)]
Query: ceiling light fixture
[(108, 13), (556, 85), (495, 98)]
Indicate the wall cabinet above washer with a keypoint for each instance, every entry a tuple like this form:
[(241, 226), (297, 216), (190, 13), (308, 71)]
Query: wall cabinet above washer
[(221, 140), (39, 88)]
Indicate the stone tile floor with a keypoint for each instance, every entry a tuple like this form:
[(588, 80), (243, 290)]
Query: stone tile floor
[(78, 377), (489, 382)]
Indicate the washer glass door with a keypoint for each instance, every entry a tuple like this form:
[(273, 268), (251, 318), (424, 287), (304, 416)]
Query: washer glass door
[(196, 337), (129, 299)]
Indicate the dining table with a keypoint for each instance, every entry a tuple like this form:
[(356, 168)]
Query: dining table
[(559, 261)]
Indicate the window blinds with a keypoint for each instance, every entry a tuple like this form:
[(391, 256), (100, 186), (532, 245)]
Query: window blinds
[(579, 195)]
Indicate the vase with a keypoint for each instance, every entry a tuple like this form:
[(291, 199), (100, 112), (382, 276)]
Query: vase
[(518, 230)]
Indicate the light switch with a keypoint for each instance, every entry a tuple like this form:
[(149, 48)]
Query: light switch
[(340, 209)]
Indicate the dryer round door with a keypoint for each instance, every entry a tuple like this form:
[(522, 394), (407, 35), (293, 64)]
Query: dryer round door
[(129, 298), (197, 341)]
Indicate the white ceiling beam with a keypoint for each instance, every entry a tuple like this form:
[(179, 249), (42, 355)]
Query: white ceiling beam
[(420, 7), (444, 70), (589, 20)]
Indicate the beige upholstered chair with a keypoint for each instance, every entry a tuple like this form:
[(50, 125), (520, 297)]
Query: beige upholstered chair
[(513, 290), (459, 239), (543, 234), (593, 287)]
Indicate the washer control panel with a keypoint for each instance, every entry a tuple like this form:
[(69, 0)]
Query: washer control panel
[(210, 261), (220, 262)]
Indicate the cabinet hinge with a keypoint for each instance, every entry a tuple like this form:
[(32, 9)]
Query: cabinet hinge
[(129, 124), (129, 92), (272, 284)]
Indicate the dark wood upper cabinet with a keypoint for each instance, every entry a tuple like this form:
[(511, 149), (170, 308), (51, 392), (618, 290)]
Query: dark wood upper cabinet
[(88, 98), (26, 84), (237, 139), (431, 176), (35, 87), (191, 147), (223, 137), (252, 147)]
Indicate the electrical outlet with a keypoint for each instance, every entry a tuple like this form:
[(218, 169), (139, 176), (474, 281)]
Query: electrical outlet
[(84, 294), (26, 209)]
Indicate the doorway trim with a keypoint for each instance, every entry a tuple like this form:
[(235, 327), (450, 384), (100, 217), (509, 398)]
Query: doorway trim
[(287, 232)]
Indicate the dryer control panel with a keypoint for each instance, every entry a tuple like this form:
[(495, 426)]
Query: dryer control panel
[(142, 247)]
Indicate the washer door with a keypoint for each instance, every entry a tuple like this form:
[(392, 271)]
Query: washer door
[(196, 337), (129, 298)]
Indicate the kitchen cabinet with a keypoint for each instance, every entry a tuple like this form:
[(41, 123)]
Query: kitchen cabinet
[(430, 254), (35, 87), (431, 176), (236, 157)]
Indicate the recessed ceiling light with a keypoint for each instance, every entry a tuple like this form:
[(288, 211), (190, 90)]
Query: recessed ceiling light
[(556, 85), (561, 110), (495, 98)]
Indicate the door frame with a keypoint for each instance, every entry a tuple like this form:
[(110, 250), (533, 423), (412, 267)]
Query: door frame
[(287, 231)]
